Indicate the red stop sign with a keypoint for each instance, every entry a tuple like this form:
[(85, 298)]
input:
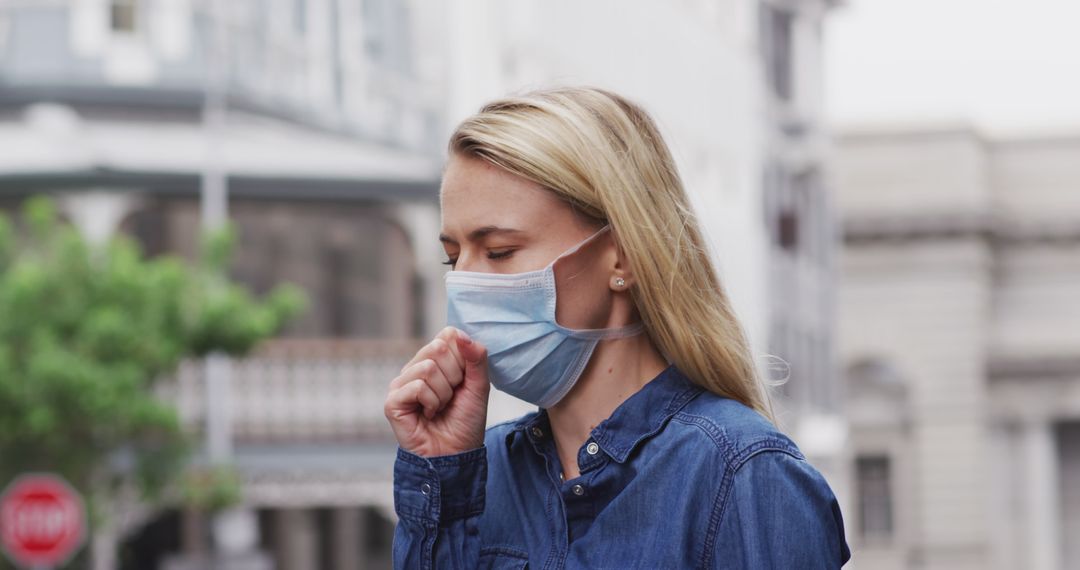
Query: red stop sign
[(42, 520)]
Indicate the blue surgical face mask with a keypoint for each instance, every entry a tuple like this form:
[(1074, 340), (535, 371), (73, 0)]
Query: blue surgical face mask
[(530, 356)]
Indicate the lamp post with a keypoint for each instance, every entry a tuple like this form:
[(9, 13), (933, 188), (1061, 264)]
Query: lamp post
[(214, 213)]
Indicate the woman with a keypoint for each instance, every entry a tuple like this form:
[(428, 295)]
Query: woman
[(580, 282)]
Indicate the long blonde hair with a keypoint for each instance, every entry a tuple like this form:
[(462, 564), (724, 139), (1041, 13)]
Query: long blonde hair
[(604, 155)]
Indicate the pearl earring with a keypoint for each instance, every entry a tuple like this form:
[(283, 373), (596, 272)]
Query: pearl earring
[(620, 282)]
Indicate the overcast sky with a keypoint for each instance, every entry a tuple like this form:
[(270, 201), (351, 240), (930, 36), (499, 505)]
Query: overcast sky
[(1003, 65)]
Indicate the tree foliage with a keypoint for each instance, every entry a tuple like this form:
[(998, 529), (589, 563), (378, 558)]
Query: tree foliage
[(86, 332)]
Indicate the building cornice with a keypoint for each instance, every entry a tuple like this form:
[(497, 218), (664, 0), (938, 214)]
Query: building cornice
[(187, 185), (1064, 367), (185, 103), (909, 228)]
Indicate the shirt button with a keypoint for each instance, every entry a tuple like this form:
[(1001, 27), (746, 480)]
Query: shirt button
[(537, 432), (578, 490), (592, 448), (425, 488)]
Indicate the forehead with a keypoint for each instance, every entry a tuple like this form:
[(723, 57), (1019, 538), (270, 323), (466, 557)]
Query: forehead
[(475, 193)]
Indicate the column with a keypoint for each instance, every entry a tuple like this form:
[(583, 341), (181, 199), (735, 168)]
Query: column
[(297, 539), (421, 222), (1041, 486), (350, 539), (97, 213)]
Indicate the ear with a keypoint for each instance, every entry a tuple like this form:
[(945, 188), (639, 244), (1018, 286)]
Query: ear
[(622, 278)]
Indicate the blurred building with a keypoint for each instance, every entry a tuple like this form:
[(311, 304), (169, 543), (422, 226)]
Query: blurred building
[(325, 121), (329, 119), (959, 303)]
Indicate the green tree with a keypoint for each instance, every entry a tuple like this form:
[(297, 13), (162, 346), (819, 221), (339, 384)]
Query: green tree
[(86, 332)]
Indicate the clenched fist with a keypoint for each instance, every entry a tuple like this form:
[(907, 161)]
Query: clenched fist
[(438, 404)]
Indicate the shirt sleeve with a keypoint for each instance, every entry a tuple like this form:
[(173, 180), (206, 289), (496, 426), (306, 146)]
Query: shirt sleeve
[(438, 501), (779, 513)]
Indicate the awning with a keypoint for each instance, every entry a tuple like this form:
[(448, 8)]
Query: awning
[(52, 143)]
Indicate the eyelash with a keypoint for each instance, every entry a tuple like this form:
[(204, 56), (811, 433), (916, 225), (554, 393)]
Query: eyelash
[(491, 255)]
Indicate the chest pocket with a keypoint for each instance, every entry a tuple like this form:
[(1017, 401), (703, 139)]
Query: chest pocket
[(502, 558)]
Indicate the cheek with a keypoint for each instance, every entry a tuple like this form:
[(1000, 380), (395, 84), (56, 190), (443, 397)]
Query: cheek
[(583, 298)]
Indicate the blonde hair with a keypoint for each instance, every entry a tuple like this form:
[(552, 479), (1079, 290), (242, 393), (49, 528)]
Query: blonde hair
[(604, 155)]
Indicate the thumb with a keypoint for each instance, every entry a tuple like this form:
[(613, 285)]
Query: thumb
[(475, 357)]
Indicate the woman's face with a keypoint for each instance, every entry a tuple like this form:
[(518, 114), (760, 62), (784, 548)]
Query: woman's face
[(497, 222)]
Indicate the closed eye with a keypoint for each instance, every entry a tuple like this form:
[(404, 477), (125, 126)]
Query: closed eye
[(490, 255)]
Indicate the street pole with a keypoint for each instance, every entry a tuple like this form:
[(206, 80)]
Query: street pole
[(214, 213), (234, 530)]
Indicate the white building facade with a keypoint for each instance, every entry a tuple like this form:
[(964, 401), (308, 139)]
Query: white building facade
[(959, 302)]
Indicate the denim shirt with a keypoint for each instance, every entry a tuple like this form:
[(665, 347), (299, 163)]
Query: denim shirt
[(677, 477)]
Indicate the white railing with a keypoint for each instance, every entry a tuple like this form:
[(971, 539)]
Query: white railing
[(300, 390)]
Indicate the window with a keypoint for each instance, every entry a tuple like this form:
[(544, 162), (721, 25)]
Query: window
[(875, 497), (336, 292), (300, 16), (787, 229), (124, 15), (776, 37), (387, 41), (807, 197), (781, 207), (376, 34)]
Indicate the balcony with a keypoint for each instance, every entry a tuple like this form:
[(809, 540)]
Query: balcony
[(300, 391)]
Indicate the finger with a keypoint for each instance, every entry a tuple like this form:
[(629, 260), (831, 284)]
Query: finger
[(427, 398), (430, 370), (447, 336), (415, 394), (408, 374), (436, 380), (443, 356), (402, 402), (475, 355), (472, 352)]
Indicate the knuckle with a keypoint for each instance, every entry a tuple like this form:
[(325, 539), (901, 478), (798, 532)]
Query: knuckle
[(390, 406), (439, 346)]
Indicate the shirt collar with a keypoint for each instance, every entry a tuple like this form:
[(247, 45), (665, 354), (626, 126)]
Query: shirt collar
[(642, 415)]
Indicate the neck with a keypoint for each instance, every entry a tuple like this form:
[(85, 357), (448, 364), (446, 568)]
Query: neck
[(618, 369)]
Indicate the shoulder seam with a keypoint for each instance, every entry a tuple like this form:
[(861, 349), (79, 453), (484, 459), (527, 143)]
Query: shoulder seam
[(728, 483), (710, 429), (764, 444), (738, 455), (733, 460)]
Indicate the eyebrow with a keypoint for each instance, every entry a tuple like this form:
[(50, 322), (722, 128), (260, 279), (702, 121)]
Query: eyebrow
[(480, 233)]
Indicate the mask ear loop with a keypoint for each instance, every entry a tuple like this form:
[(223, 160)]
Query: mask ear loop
[(629, 330), (580, 245)]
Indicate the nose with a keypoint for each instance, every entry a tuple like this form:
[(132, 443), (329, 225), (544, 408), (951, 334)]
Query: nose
[(467, 261)]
